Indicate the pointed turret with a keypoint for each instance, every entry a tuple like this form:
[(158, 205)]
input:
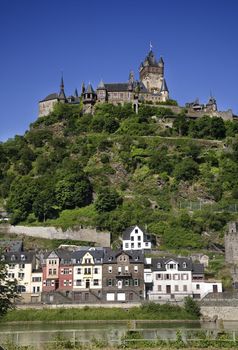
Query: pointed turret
[(161, 62), (62, 96), (164, 87), (76, 93), (83, 88), (101, 85)]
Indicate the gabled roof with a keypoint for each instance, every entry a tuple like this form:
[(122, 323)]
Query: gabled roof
[(97, 255), (89, 89), (101, 86), (110, 256), (127, 233)]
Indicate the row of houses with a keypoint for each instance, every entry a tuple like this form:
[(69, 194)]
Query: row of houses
[(100, 275)]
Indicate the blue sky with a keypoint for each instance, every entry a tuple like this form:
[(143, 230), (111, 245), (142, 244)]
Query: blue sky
[(90, 40)]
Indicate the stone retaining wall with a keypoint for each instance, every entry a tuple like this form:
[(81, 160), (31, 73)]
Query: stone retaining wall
[(80, 234)]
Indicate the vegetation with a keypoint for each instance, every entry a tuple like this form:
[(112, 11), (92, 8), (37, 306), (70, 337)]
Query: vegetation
[(115, 169), (8, 291), (148, 311)]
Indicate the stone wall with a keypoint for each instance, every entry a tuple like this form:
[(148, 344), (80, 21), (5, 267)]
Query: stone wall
[(221, 306), (80, 234)]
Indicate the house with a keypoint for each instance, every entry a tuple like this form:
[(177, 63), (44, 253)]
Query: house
[(176, 278), (57, 271), (21, 266), (123, 276), (87, 275), (136, 238), (11, 246)]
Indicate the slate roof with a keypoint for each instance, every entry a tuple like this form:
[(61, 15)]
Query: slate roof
[(89, 89), (164, 86), (117, 87), (190, 266), (126, 234), (17, 257), (53, 96), (11, 246), (97, 255), (110, 256)]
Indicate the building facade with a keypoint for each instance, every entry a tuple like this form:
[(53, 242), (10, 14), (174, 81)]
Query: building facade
[(136, 238)]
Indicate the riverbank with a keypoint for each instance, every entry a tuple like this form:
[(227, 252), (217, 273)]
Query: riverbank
[(148, 311)]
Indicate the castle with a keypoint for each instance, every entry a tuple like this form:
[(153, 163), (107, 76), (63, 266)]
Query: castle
[(151, 86)]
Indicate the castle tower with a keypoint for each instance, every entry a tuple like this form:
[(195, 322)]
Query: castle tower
[(152, 72), (89, 99), (101, 92)]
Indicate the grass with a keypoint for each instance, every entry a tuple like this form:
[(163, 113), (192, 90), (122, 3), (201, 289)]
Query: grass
[(148, 311)]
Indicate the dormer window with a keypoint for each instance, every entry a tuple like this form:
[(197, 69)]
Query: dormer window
[(2, 258), (159, 265), (23, 257), (184, 265), (136, 230), (13, 258), (110, 258)]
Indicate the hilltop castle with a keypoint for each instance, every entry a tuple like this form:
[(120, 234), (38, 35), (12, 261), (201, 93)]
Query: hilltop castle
[(151, 86)]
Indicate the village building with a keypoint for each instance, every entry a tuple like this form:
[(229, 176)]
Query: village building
[(136, 238), (176, 278), (123, 276)]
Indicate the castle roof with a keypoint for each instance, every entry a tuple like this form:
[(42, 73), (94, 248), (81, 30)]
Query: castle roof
[(89, 89), (101, 85), (116, 87), (164, 86), (50, 97), (150, 60)]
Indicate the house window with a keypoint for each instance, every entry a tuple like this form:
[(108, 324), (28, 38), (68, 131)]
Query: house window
[(136, 269), (66, 271), (185, 288), (109, 282), (197, 286), (184, 265), (139, 245), (119, 270), (132, 245), (79, 270), (87, 271), (127, 283), (48, 283), (21, 275), (136, 230), (23, 257), (36, 279), (159, 276), (171, 266), (11, 275), (136, 282), (78, 283), (21, 266), (11, 266), (87, 261), (159, 265), (184, 276), (96, 282), (159, 288), (132, 238), (139, 238), (176, 276), (126, 269), (167, 276), (13, 258), (176, 288), (147, 244), (96, 270), (66, 283), (110, 269), (127, 245)]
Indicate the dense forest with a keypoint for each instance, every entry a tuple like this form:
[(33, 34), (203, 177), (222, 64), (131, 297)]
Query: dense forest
[(115, 168)]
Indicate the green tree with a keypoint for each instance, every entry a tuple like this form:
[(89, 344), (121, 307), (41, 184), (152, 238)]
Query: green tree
[(181, 125), (187, 169), (8, 290), (107, 200), (192, 306)]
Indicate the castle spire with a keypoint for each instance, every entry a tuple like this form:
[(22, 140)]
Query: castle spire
[(62, 93)]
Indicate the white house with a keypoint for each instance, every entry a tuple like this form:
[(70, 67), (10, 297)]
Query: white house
[(24, 267), (177, 278), (136, 238)]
